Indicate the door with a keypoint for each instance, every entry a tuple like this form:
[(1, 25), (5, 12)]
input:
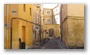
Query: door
[(22, 44), (51, 32), (23, 34)]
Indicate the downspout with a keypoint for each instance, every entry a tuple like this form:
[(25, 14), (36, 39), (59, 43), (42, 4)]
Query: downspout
[(7, 23), (11, 35)]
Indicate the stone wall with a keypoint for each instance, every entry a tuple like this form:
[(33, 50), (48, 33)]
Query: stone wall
[(73, 31)]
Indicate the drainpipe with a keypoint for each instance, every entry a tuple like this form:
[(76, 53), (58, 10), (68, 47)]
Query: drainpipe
[(11, 35), (7, 23)]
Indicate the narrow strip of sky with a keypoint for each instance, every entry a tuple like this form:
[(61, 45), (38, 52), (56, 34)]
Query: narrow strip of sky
[(49, 5)]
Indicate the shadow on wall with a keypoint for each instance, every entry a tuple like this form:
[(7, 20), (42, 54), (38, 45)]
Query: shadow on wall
[(54, 20)]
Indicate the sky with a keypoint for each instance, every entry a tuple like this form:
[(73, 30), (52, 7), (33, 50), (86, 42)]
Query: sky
[(52, 6), (49, 5)]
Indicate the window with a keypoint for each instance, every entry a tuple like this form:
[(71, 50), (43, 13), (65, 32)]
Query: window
[(48, 21), (56, 10), (13, 11), (48, 12), (43, 12), (30, 11), (38, 6), (24, 7)]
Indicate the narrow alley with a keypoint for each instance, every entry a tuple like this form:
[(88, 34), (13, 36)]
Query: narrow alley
[(43, 26), (54, 43)]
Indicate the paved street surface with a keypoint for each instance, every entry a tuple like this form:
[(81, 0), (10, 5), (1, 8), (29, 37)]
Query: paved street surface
[(53, 44), (61, 44)]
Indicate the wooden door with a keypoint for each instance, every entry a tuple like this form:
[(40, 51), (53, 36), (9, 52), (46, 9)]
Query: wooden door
[(23, 34)]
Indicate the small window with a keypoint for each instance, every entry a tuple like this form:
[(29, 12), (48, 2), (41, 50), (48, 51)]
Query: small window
[(30, 11), (43, 12), (56, 10), (24, 7), (48, 12), (48, 21)]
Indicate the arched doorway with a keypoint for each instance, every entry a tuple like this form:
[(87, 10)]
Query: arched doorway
[(51, 32)]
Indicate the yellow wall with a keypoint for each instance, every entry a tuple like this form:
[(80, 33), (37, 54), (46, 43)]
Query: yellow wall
[(8, 15), (15, 34), (28, 32), (17, 24), (54, 26), (72, 10), (39, 15), (36, 17), (45, 12), (75, 31), (47, 16), (36, 14), (73, 25), (64, 31), (42, 11), (25, 14), (75, 10)]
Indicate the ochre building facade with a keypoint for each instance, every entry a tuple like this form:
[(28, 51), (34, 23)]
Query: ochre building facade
[(72, 25), (18, 25)]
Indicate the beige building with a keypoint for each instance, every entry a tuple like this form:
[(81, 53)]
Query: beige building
[(36, 16), (51, 30), (72, 25), (48, 25), (47, 16)]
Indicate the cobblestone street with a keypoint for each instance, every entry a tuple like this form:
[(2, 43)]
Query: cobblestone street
[(52, 44)]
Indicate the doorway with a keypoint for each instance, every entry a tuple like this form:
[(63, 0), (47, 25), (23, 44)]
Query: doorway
[(23, 33), (51, 32), (22, 40)]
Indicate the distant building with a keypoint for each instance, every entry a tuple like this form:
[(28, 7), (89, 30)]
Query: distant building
[(56, 16), (47, 16), (48, 26)]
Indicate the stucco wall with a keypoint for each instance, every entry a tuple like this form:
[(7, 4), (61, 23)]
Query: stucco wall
[(17, 25), (73, 32), (47, 16), (45, 11), (64, 31), (75, 10), (8, 15), (54, 26), (25, 14), (63, 11), (73, 25), (76, 31)]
